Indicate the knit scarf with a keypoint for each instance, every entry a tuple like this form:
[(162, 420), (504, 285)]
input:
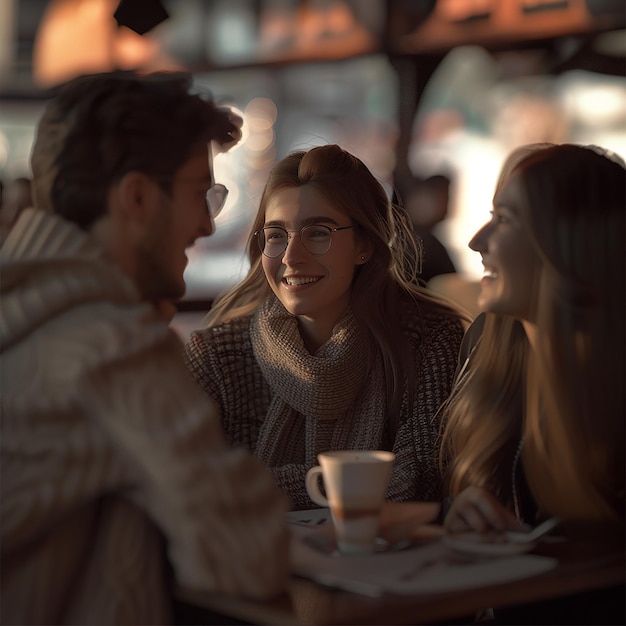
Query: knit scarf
[(329, 389)]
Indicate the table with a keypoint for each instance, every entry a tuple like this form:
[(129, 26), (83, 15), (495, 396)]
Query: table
[(592, 558)]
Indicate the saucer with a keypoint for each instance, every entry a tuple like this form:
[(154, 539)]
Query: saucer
[(486, 544), (326, 544)]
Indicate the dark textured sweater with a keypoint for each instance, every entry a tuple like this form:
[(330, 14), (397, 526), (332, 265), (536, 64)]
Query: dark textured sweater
[(222, 360)]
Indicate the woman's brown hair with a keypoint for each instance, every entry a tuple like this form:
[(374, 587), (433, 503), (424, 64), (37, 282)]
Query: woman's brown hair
[(381, 286), (565, 397)]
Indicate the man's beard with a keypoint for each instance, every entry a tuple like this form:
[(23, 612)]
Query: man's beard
[(154, 276)]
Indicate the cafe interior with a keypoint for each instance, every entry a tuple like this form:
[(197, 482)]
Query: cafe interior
[(416, 89)]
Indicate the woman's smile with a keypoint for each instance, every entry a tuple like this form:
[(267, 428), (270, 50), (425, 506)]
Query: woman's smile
[(300, 281), (316, 288)]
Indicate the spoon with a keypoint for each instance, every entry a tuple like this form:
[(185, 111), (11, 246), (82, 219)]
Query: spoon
[(534, 534)]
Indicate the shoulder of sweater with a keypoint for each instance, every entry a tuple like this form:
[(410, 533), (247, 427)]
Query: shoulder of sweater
[(104, 332), (427, 318), (440, 318), (237, 326), (235, 330), (90, 343)]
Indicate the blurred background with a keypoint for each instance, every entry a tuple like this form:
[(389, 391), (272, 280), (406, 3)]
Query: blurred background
[(431, 94)]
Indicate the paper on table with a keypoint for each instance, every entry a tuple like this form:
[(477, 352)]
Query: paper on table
[(427, 569), (311, 517)]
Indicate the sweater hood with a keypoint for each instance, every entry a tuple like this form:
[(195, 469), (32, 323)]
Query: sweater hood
[(47, 266)]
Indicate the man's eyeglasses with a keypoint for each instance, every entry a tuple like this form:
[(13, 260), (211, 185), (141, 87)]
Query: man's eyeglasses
[(316, 238), (216, 199)]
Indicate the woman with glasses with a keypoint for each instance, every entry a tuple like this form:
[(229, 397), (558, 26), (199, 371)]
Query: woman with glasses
[(328, 342)]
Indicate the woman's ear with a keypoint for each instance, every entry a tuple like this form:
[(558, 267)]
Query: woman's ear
[(364, 252)]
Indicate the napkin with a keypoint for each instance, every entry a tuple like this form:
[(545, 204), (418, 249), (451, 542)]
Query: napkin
[(429, 568)]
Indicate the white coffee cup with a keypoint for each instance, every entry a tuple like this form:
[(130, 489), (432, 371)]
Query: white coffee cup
[(356, 483)]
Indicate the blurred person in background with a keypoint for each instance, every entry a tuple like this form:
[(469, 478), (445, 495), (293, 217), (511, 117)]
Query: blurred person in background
[(535, 423), (427, 205), (114, 465), (329, 343)]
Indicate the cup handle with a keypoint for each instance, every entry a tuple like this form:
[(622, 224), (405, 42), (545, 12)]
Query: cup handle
[(312, 486)]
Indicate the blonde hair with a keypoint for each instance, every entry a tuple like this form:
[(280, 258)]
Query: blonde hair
[(566, 397), (380, 286)]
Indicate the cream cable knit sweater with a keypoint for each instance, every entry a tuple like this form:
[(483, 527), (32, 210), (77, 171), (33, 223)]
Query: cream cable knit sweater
[(287, 405), (110, 452)]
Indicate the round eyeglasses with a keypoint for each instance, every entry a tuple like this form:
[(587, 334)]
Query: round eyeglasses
[(316, 238), (216, 199)]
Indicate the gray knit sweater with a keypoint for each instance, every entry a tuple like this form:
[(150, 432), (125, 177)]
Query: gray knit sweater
[(225, 362)]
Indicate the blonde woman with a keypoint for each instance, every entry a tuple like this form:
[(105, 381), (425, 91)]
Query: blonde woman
[(329, 343), (536, 421)]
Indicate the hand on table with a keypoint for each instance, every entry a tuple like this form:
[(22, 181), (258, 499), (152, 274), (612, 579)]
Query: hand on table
[(414, 520), (477, 510), (415, 512)]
